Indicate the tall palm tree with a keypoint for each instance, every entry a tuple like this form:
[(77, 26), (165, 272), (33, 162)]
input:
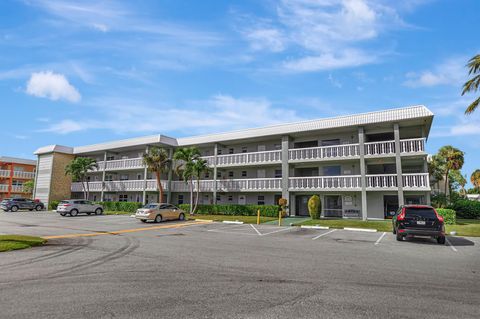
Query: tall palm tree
[(185, 159), (453, 159), (475, 179), (78, 168), (158, 162), (199, 167), (473, 84)]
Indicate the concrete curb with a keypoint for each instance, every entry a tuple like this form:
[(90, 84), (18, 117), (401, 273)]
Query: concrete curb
[(203, 220), (314, 227), (232, 222), (132, 216), (369, 230)]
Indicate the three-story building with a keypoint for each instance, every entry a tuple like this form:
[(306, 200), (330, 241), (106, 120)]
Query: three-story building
[(14, 172), (361, 166)]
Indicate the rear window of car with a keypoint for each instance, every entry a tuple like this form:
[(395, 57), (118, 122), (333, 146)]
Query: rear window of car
[(64, 202), (150, 206), (420, 212)]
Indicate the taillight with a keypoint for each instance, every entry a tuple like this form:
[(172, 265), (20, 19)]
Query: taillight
[(401, 216), (66, 205)]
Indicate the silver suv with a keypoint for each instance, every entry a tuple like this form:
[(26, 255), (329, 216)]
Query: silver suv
[(75, 206)]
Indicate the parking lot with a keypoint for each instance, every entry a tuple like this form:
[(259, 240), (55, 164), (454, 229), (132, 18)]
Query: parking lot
[(115, 266)]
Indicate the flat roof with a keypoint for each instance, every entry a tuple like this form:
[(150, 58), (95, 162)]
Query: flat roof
[(384, 116), (17, 160)]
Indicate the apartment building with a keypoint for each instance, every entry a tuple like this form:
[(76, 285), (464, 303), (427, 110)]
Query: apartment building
[(14, 172), (361, 166)]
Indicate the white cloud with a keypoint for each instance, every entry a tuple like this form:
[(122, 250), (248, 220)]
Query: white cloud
[(448, 72), (266, 39), (67, 126), (330, 61), (100, 27), (53, 86), (336, 83)]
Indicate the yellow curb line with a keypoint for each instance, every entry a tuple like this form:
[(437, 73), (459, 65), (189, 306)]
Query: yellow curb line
[(123, 231)]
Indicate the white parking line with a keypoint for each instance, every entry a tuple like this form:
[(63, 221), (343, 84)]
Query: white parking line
[(276, 231), (227, 227), (259, 233), (450, 244), (380, 238), (321, 235)]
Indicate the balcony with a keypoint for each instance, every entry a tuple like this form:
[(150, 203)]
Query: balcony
[(119, 186), (3, 188), (23, 175), (411, 146), (416, 181), (323, 153), (325, 183), (244, 159), (4, 173)]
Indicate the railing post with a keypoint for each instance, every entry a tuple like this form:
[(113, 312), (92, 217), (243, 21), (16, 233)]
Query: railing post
[(363, 181), (215, 163), (102, 193), (144, 191), (285, 170)]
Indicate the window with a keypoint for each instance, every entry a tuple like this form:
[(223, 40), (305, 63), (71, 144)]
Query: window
[(219, 174), (124, 177), (139, 176), (331, 142), (244, 173), (110, 158), (207, 174), (180, 199), (277, 146), (332, 170), (230, 174), (261, 200), (94, 198), (244, 149), (109, 178), (219, 198), (230, 198), (219, 152), (123, 198), (88, 178), (278, 173), (426, 213), (230, 151)]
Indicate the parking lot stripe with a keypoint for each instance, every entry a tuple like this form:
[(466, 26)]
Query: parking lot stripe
[(123, 231), (450, 244), (380, 238), (321, 235), (256, 230), (275, 231)]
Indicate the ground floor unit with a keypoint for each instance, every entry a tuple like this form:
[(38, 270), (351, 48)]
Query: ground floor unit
[(380, 204)]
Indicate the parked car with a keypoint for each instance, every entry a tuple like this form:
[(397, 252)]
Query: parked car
[(159, 212), (14, 204), (73, 207), (418, 220)]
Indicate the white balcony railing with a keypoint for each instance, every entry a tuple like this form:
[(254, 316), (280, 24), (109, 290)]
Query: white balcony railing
[(389, 181), (254, 184), (4, 173), (17, 189), (23, 175), (3, 188), (265, 157), (324, 152), (181, 186), (413, 145), (352, 182), (381, 181), (417, 180), (119, 186), (380, 148)]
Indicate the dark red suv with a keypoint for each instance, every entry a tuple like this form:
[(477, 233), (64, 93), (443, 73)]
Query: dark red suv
[(418, 220)]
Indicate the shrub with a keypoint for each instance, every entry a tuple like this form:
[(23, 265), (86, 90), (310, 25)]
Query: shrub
[(466, 208), (449, 215), (234, 210), (314, 205), (53, 204), (130, 207)]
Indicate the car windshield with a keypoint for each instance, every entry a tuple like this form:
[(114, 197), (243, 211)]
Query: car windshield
[(63, 202), (423, 212), (150, 206)]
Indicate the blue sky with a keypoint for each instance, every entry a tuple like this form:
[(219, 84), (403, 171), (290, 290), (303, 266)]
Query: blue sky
[(81, 72)]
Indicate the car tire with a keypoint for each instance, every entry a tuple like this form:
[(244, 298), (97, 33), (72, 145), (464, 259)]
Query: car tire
[(63, 214), (38, 208), (181, 216), (98, 211), (74, 212), (158, 218), (14, 208), (441, 240), (399, 237)]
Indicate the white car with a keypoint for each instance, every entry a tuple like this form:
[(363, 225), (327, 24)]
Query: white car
[(73, 207)]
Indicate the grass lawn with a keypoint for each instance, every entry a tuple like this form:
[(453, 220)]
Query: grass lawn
[(465, 227), (245, 219), (380, 225), (14, 242)]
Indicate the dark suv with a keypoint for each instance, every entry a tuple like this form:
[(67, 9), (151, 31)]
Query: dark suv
[(14, 204), (418, 220)]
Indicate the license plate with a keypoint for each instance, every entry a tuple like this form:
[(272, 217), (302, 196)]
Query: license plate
[(420, 222)]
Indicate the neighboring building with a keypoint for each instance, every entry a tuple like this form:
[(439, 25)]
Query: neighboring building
[(474, 197), (361, 165), (14, 172)]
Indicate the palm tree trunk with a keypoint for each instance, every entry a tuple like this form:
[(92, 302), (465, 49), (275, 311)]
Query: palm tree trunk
[(160, 187), (198, 195), (84, 189), (446, 182), (191, 196), (88, 191)]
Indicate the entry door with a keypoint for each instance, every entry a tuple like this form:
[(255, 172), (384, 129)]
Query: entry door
[(333, 206), (242, 199), (301, 202)]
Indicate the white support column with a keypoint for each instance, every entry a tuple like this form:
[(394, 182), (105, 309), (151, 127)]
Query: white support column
[(398, 162), (169, 182), (145, 172), (102, 195), (286, 172), (215, 157), (363, 169)]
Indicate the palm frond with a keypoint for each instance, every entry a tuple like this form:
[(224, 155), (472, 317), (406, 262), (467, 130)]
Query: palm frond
[(472, 107)]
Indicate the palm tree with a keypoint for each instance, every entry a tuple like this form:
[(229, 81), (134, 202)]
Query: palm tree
[(185, 162), (452, 158), (475, 179), (199, 167), (79, 168), (158, 162), (473, 84)]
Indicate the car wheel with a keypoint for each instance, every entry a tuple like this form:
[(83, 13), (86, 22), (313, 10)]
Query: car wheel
[(14, 208), (63, 214), (158, 218), (399, 237), (98, 211), (441, 240), (38, 208), (73, 212), (181, 216)]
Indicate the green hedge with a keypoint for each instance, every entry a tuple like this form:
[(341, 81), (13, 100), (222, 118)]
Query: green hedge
[(53, 204), (238, 210), (449, 215), (130, 207), (466, 208)]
